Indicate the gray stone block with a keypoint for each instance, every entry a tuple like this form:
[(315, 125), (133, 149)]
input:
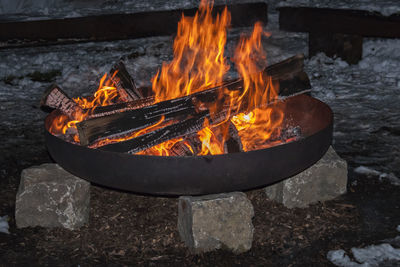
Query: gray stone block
[(49, 196), (211, 222), (325, 180)]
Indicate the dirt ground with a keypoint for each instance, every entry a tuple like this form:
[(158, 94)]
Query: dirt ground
[(129, 229)]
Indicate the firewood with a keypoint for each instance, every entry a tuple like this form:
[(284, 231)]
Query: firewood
[(181, 149), (120, 124), (145, 141), (55, 98), (292, 80), (125, 84), (233, 144)]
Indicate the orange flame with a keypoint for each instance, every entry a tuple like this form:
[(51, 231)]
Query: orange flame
[(210, 145), (257, 125), (104, 95), (199, 61)]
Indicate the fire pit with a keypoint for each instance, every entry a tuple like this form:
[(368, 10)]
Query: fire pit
[(196, 175), (183, 136)]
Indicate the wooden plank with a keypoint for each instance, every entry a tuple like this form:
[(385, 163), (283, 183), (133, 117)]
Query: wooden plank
[(327, 20), (116, 26)]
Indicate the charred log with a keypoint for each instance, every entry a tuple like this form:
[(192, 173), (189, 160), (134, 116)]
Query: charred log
[(145, 141), (121, 123), (125, 84), (55, 98), (233, 144), (182, 148), (289, 73)]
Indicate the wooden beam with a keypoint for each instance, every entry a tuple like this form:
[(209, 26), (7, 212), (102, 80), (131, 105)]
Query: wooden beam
[(346, 21), (115, 26)]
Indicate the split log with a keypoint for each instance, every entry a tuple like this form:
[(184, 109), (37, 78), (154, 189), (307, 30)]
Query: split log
[(181, 149), (288, 73), (125, 84), (187, 127), (145, 141), (122, 123), (233, 144), (55, 98)]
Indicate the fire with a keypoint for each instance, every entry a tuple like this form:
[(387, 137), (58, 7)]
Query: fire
[(209, 142), (104, 95), (260, 123), (200, 63)]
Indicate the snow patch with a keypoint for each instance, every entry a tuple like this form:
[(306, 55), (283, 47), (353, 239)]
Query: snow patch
[(339, 258), (393, 179), (4, 224), (398, 228), (366, 171), (367, 257)]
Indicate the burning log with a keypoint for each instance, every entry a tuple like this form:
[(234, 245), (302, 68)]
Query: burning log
[(125, 84), (289, 73), (142, 142), (233, 144), (55, 98), (121, 123), (181, 148)]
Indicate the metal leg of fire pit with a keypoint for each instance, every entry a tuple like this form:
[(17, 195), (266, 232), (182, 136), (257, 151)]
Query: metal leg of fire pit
[(49, 196), (211, 222), (325, 180)]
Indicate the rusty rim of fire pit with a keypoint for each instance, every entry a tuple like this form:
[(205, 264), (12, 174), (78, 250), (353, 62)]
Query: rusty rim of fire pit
[(198, 175)]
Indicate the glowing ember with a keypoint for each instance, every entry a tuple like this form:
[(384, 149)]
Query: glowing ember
[(198, 64)]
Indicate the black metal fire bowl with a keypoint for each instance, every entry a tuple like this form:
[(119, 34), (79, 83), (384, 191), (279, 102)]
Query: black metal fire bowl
[(200, 175)]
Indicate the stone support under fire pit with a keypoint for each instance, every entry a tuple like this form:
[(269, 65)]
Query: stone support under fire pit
[(49, 196), (211, 222), (325, 180)]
